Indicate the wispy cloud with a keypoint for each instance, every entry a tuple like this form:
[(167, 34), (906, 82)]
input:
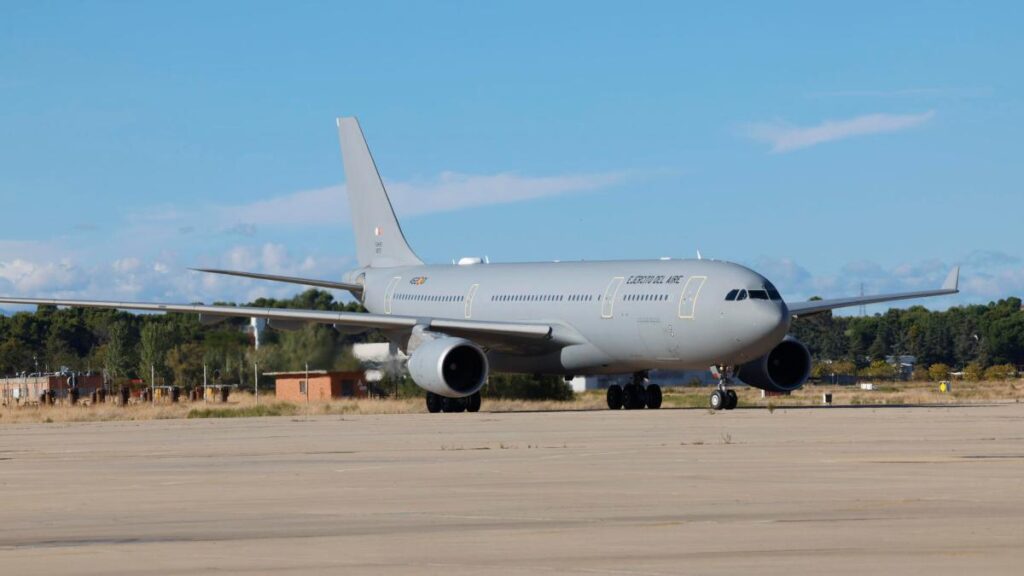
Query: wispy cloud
[(784, 137), (933, 92), (448, 192)]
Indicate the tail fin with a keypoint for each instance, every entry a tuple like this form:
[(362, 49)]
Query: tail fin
[(379, 239)]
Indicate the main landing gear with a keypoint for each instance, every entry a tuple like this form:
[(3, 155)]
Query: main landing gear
[(636, 395), (723, 398), (437, 403)]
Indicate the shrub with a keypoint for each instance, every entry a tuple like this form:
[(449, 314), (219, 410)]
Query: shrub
[(974, 372), (525, 387), (1000, 372), (938, 372), (278, 409)]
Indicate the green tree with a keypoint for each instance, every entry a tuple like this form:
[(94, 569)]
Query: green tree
[(120, 354), (185, 362), (153, 346)]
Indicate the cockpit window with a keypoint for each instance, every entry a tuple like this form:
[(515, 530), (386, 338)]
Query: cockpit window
[(772, 292), (731, 295), (742, 295), (758, 294)]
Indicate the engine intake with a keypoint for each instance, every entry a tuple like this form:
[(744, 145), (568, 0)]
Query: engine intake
[(784, 369), (451, 367)]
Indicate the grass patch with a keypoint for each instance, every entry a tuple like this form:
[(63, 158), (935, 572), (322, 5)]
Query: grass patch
[(279, 409)]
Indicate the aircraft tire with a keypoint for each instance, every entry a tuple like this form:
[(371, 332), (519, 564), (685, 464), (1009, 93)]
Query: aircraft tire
[(434, 403), (614, 397), (629, 397), (654, 397), (733, 400), (718, 400), (473, 403), (453, 405)]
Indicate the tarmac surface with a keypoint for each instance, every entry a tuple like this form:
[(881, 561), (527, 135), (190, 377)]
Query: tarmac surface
[(909, 490)]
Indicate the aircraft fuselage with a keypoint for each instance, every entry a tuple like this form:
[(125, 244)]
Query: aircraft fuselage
[(628, 315)]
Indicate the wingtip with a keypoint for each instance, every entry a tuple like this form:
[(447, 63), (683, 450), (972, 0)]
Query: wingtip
[(953, 280)]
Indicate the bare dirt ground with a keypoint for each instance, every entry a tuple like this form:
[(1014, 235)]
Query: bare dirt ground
[(793, 490), (243, 404)]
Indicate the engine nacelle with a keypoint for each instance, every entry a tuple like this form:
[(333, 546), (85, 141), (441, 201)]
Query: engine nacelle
[(451, 367), (784, 369)]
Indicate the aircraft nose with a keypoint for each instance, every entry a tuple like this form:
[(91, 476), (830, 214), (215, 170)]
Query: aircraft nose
[(772, 321)]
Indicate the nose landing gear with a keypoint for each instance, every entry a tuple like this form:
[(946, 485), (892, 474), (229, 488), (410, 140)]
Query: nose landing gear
[(636, 395), (723, 398)]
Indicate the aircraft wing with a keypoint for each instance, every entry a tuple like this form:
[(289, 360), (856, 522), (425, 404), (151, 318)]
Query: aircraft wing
[(950, 286), (355, 289), (510, 336)]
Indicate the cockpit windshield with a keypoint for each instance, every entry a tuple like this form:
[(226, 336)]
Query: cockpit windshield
[(768, 292)]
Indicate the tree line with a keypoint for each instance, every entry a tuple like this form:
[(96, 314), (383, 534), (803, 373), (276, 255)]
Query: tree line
[(176, 347), (973, 339), (982, 341)]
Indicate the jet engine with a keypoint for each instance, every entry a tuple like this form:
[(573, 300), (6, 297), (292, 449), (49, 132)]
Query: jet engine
[(784, 369), (450, 367)]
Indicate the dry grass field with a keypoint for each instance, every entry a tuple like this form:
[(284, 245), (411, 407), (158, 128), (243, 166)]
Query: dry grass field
[(244, 404)]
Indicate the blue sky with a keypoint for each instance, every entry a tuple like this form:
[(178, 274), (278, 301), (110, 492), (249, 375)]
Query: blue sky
[(826, 146)]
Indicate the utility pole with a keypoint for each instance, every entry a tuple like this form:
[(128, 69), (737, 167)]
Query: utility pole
[(204, 383), (152, 384), (256, 380), (307, 382)]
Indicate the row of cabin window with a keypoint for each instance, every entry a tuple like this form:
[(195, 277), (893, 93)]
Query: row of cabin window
[(644, 297), (542, 298), (430, 298)]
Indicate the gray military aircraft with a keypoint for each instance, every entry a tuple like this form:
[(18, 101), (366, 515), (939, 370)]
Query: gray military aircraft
[(457, 322)]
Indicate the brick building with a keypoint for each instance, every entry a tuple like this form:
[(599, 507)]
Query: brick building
[(321, 385), (22, 389)]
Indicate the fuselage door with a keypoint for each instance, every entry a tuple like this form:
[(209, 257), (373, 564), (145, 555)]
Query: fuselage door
[(469, 300), (688, 300), (389, 293), (608, 302)]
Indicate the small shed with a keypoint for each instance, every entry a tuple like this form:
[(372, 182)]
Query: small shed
[(318, 385)]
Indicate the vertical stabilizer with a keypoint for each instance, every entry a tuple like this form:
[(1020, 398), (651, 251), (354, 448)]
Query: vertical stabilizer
[(379, 239)]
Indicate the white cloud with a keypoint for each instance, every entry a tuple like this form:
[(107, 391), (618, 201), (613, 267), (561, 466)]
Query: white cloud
[(784, 137), (163, 278)]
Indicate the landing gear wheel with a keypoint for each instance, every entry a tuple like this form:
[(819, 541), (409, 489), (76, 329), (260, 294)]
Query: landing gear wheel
[(453, 405), (434, 403), (473, 403), (718, 399), (733, 399), (614, 397), (654, 396), (631, 399)]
